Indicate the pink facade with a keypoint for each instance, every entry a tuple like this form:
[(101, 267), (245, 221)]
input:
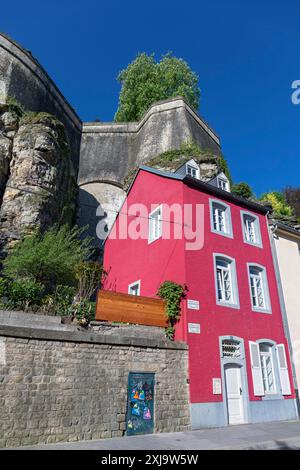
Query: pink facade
[(128, 260)]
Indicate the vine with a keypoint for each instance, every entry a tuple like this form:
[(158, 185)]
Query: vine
[(172, 293)]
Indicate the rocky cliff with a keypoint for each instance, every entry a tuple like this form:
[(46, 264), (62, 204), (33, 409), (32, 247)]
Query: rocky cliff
[(37, 178)]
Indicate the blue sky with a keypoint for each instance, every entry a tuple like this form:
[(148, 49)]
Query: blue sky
[(246, 54)]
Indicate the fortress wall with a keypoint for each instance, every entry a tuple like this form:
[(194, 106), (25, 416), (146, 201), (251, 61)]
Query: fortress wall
[(22, 77)]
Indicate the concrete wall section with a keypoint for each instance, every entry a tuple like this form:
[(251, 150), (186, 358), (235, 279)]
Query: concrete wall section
[(59, 385), (109, 150), (22, 77)]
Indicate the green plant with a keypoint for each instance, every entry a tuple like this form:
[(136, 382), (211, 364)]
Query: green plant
[(145, 81), (84, 311), (60, 301), (278, 203), (50, 257), (88, 275), (20, 294), (242, 190), (172, 293)]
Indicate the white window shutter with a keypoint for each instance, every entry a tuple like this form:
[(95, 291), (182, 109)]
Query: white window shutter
[(283, 370), (258, 385)]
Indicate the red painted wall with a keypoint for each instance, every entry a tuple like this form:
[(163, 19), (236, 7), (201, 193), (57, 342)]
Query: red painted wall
[(129, 260)]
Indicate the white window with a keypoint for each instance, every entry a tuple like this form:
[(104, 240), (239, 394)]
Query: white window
[(259, 288), (155, 224), (226, 286), (220, 218), (223, 183), (251, 229), (264, 362), (134, 288), (267, 368), (191, 171)]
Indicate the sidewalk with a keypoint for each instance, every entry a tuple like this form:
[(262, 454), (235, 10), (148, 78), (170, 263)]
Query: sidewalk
[(275, 435)]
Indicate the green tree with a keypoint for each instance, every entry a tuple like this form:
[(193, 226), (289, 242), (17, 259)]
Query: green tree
[(145, 81), (49, 258), (242, 190), (278, 203)]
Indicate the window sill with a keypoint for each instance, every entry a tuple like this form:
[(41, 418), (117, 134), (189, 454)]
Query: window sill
[(223, 234), (262, 310), (229, 305), (272, 396), (257, 245), (154, 240)]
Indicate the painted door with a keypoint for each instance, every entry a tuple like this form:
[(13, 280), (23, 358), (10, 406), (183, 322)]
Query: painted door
[(234, 394), (140, 403)]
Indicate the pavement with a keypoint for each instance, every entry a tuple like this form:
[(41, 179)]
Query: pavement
[(274, 435)]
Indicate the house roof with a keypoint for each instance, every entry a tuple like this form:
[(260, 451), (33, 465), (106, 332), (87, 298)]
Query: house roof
[(284, 228), (206, 187)]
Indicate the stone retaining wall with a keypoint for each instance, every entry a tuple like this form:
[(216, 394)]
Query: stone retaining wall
[(59, 385)]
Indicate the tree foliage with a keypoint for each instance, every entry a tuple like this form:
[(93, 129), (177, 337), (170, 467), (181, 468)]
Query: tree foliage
[(50, 257), (292, 196), (278, 203), (242, 190), (145, 81)]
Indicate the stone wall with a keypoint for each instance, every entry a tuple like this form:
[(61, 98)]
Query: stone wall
[(23, 77), (60, 385)]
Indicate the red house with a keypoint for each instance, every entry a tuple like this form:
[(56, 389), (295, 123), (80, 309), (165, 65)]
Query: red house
[(173, 226)]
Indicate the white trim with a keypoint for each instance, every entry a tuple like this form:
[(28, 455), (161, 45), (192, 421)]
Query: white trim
[(283, 370), (193, 167), (258, 241), (233, 280), (227, 214), (267, 302), (151, 240), (257, 378), (135, 283)]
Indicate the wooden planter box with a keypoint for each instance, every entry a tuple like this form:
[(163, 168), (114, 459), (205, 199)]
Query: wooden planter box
[(126, 308)]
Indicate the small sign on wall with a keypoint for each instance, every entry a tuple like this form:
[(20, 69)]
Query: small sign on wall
[(217, 388), (194, 327), (193, 304)]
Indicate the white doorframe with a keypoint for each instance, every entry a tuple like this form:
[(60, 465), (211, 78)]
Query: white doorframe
[(234, 393)]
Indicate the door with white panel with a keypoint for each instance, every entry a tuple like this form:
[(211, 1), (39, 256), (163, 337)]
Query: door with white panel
[(234, 394)]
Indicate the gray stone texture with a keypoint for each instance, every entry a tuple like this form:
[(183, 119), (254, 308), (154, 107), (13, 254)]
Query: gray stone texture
[(38, 178), (68, 386), (22, 77)]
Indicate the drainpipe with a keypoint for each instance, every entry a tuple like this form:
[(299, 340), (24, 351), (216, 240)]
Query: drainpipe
[(283, 310)]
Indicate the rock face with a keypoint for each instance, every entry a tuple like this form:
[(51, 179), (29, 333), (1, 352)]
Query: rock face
[(38, 183)]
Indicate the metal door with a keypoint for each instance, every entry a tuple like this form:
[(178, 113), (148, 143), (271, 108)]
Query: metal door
[(140, 403)]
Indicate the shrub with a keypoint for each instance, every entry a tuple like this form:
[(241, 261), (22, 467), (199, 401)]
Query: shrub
[(20, 294), (88, 275), (60, 302), (84, 311), (242, 190), (50, 257), (172, 293)]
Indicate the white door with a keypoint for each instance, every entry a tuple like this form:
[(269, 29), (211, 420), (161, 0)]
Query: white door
[(234, 394)]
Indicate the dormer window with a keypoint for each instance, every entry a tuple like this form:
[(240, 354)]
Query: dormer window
[(192, 171), (223, 183)]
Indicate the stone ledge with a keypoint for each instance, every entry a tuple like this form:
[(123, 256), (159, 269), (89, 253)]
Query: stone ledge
[(84, 336)]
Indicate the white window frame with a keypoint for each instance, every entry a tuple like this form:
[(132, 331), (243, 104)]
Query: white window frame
[(152, 238), (256, 226), (262, 356), (223, 181), (265, 288), (193, 167), (234, 302), (133, 284), (227, 218)]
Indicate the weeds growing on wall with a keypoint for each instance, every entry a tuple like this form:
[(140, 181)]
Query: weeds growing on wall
[(172, 293)]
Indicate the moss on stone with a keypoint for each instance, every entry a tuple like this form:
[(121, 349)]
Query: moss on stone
[(174, 158)]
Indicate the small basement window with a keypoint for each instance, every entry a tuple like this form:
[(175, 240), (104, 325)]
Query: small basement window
[(134, 288)]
